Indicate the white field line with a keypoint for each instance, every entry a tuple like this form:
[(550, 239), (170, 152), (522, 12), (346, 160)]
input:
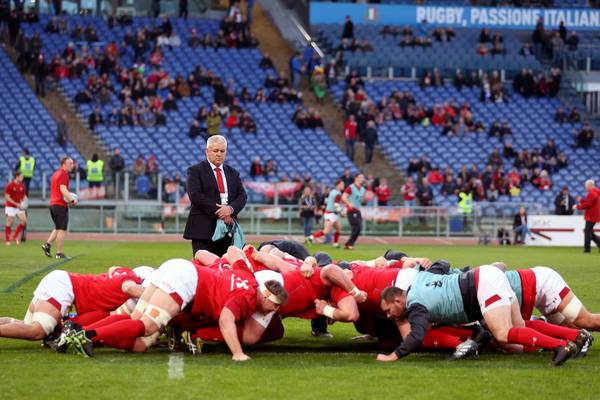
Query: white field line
[(443, 241), (176, 366), (380, 240)]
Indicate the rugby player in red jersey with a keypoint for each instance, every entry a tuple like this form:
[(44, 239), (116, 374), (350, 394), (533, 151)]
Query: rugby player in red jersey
[(221, 296), (60, 290), (14, 195)]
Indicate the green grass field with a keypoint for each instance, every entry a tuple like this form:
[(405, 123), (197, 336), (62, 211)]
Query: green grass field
[(298, 366)]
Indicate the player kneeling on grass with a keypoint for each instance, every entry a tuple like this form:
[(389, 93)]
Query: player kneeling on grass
[(483, 293), (60, 290), (545, 289), (222, 296)]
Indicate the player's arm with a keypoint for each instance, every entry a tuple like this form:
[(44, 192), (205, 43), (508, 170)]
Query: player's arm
[(308, 266), (273, 262), (64, 190), (334, 275), (411, 262), (132, 289), (253, 330), (345, 199), (346, 310), (229, 332), (418, 318), (8, 198), (588, 202)]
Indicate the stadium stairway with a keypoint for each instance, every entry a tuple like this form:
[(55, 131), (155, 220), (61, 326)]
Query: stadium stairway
[(333, 116), (82, 138)]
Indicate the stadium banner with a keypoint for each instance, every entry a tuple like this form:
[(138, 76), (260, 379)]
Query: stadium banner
[(455, 17), (556, 230), (384, 214), (268, 189)]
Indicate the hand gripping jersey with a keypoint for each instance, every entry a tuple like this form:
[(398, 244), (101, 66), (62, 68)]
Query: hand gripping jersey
[(234, 289), (101, 292), (373, 281)]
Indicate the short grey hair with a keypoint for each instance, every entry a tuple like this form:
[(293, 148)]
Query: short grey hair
[(590, 182), (216, 139)]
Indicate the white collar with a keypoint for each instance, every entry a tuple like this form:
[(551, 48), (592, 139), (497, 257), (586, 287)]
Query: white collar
[(213, 166)]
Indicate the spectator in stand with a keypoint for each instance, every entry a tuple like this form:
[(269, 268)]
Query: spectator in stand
[(563, 202), (434, 177), (508, 151), (95, 118), (266, 62), (40, 73), (248, 124), (520, 227), (591, 205), (573, 41), (413, 167), (574, 116), (543, 182), (270, 168), (562, 161), (485, 36), (62, 136), (307, 204), (213, 121), (550, 149), (256, 167), (196, 130), (459, 80), (139, 167), (383, 192), (585, 137), (492, 193), (371, 140), (560, 116), (424, 194), (350, 127), (232, 120), (348, 31), (526, 50)]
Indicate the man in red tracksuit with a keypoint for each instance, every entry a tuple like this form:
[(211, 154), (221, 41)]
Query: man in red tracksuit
[(591, 205)]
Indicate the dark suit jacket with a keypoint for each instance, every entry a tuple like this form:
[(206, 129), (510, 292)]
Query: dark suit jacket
[(517, 220), (204, 195)]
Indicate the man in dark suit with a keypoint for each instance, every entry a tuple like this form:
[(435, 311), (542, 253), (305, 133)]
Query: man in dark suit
[(216, 192), (563, 203)]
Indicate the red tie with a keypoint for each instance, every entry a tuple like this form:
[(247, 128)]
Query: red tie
[(220, 180)]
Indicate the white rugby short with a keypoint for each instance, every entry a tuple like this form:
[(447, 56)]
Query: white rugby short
[(493, 289), (56, 288), (550, 289), (405, 278), (177, 276), (329, 216), (12, 211)]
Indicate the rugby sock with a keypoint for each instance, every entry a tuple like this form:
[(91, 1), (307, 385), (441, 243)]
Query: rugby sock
[(555, 331), (125, 329), (107, 320), (123, 343), (435, 339), (90, 317), (18, 231), (531, 337), (318, 234), (336, 237), (462, 333), (7, 233)]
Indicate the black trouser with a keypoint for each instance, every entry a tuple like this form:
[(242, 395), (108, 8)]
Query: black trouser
[(369, 153), (219, 247), (589, 236), (355, 220)]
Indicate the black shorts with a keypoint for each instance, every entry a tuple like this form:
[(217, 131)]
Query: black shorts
[(291, 247), (60, 217)]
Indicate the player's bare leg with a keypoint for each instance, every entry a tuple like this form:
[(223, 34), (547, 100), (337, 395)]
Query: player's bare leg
[(60, 239), (22, 224), (7, 229), (43, 319), (572, 313)]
